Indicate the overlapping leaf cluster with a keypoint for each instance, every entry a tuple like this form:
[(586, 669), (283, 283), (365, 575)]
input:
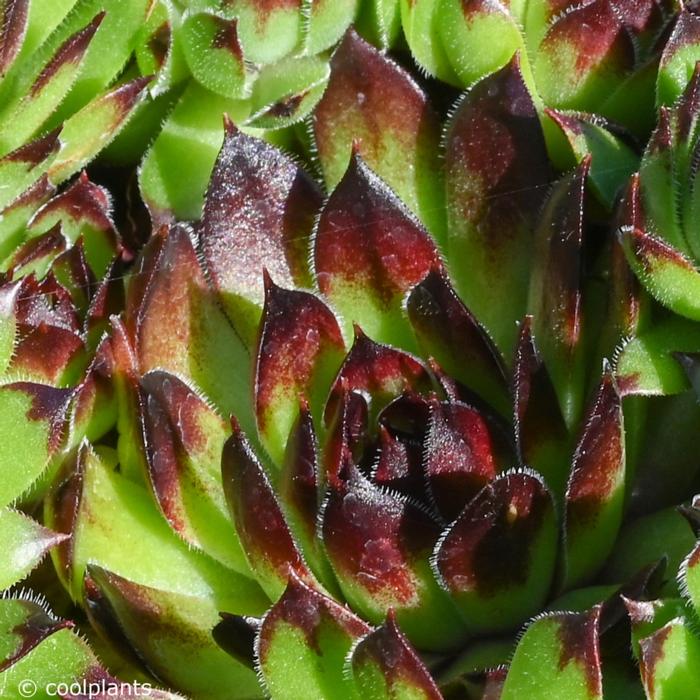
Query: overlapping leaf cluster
[(414, 419)]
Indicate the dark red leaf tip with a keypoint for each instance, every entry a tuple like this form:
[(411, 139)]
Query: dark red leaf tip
[(579, 640), (71, 51)]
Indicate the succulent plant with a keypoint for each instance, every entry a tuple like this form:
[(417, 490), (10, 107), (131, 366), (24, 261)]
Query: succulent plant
[(386, 399)]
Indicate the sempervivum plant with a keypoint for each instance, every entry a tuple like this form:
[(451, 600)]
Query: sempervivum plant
[(323, 468), (408, 429)]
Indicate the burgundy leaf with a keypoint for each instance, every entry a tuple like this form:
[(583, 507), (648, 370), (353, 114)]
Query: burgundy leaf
[(299, 478), (497, 558), (540, 432), (458, 459), (448, 331), (299, 351), (498, 174), (379, 372), (378, 544), (261, 526), (595, 492), (13, 27), (386, 650), (258, 213), (555, 290), (309, 611), (400, 465), (369, 251), (31, 631), (375, 104)]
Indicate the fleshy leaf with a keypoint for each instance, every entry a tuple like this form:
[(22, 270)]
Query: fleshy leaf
[(613, 161), (449, 332), (302, 645), (300, 491), (285, 93), (258, 213), (421, 22), (679, 57), (84, 210), (668, 275), (23, 167), (555, 288), (23, 116), (88, 131), (540, 431), (384, 665), (458, 456), (26, 544), (262, 529), (268, 29), (585, 54), (192, 133), (669, 662), (468, 26), (690, 576), (14, 217), (378, 544), (13, 27), (32, 422), (373, 103), (37, 646), (115, 524), (178, 647), (497, 174), (369, 251), (326, 22), (299, 351), (558, 655), (180, 328), (380, 373), (497, 559), (596, 489), (657, 177), (213, 52), (184, 437)]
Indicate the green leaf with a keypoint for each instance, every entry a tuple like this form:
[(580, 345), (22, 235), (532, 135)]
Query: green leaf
[(286, 92), (24, 115), (88, 131), (646, 365), (612, 161), (422, 22), (178, 648), (325, 22), (32, 418), (183, 438), (115, 524), (211, 46), (558, 656), (26, 544), (467, 27), (302, 645), (375, 107), (497, 174), (664, 534), (680, 55), (20, 169), (670, 662)]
